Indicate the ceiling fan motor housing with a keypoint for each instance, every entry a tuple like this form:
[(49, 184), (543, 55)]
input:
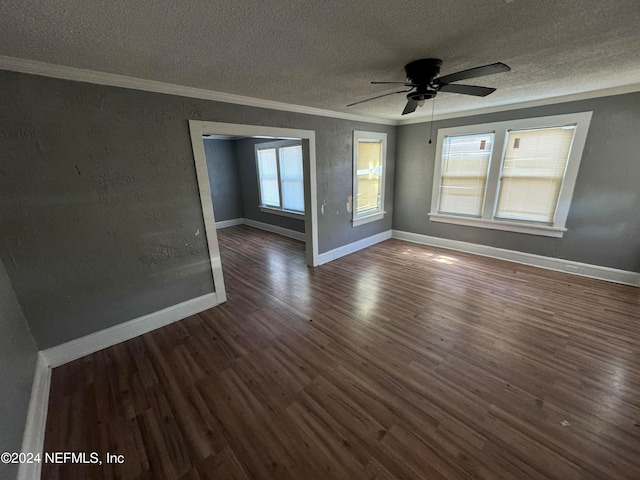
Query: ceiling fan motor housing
[(421, 94), (423, 71)]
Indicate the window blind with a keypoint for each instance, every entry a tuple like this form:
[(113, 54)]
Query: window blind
[(292, 178), (369, 170), (534, 165), (465, 162), (268, 173)]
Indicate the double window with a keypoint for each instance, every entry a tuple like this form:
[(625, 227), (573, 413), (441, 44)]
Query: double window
[(517, 175), (369, 158), (280, 176)]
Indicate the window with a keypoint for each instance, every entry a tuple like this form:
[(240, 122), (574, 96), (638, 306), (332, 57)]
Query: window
[(369, 156), (465, 164), (517, 175), (532, 173), (280, 177)]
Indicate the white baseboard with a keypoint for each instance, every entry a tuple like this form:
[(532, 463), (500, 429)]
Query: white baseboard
[(94, 342), (286, 232), (353, 247), (33, 439), (275, 229), (568, 266), (229, 223)]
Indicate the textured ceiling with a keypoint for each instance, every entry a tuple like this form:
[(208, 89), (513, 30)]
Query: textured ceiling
[(324, 53)]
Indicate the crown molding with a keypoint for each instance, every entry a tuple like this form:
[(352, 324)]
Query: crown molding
[(606, 92), (34, 67)]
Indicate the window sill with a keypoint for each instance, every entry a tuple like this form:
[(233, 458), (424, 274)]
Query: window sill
[(505, 225), (369, 218), (284, 213)]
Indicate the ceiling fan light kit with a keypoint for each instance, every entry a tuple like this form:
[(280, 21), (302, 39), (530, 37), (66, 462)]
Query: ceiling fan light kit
[(424, 82)]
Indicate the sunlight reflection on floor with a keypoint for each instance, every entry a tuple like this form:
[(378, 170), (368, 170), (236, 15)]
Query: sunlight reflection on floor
[(445, 259)]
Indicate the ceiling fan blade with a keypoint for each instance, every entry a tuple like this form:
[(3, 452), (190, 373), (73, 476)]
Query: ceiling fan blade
[(379, 96), (491, 69), (410, 107), (406, 84), (467, 89)]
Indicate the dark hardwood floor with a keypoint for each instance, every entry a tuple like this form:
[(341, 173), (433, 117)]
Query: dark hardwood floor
[(399, 361)]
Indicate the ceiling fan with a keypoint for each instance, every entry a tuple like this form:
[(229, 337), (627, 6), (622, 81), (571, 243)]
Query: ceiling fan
[(422, 77)]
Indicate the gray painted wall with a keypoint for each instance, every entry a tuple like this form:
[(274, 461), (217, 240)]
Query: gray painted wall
[(17, 366), (224, 179), (604, 219), (246, 157), (99, 203)]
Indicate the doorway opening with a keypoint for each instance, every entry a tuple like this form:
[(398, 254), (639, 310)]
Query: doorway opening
[(287, 138)]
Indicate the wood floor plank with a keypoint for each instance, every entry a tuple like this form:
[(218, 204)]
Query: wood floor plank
[(400, 361)]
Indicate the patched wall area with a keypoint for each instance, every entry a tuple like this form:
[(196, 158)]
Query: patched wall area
[(101, 216)]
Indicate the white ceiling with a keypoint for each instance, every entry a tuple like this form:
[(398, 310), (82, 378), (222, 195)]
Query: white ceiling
[(323, 54)]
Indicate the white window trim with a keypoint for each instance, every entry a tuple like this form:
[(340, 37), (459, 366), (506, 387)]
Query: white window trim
[(281, 212), (276, 145), (379, 213), (487, 219)]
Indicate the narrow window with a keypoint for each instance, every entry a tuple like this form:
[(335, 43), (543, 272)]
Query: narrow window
[(368, 176), (268, 174), (291, 178)]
